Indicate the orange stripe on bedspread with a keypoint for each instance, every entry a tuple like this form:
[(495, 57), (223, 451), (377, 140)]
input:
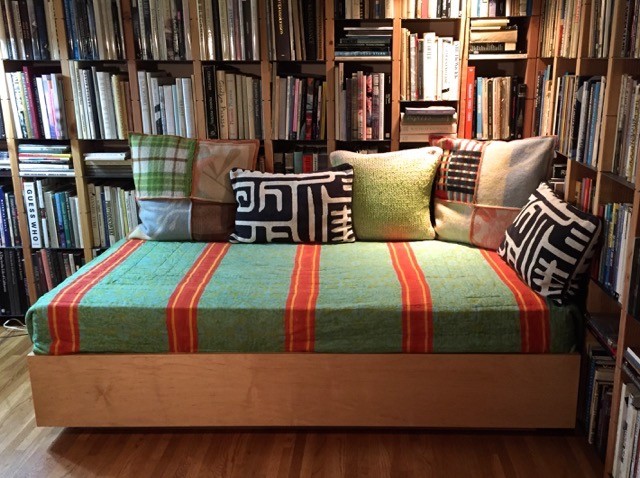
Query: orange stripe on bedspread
[(182, 309), (417, 307), (63, 309), (300, 312), (534, 312)]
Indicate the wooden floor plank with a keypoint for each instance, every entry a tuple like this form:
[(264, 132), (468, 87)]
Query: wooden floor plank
[(28, 451)]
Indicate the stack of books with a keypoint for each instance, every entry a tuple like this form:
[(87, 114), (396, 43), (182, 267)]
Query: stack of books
[(233, 104), (627, 144), (45, 160), (112, 164), (37, 104), (544, 104), (560, 27), (600, 29), (306, 160), (501, 8), (613, 255), (431, 9), (295, 30), (28, 31), (363, 9), (114, 213), (299, 108), (51, 267), (430, 67), (167, 104), (630, 47), (101, 99), (94, 29), (493, 35), (161, 29), (597, 407), (5, 163), (364, 43), (14, 296), (9, 231), (427, 125)]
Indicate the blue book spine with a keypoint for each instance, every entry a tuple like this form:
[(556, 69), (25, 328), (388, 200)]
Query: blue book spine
[(592, 122), (57, 201)]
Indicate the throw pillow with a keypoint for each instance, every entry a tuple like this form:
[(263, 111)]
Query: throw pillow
[(183, 188), (312, 207), (550, 244), (481, 186), (392, 193)]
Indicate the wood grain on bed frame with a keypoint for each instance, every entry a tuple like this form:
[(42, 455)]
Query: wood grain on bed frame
[(410, 390)]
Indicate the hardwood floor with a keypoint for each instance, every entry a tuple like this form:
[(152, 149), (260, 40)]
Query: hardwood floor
[(28, 451)]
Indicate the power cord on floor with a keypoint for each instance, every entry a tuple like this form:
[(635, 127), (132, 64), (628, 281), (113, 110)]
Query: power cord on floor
[(13, 326)]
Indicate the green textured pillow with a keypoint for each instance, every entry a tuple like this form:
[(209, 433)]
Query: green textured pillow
[(392, 193)]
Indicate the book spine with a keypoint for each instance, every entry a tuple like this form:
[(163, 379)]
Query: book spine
[(33, 218)]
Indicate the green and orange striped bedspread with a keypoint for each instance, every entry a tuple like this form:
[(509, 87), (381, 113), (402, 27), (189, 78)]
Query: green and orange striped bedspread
[(366, 297)]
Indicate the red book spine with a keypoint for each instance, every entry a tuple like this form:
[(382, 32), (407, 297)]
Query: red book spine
[(307, 163), (469, 107)]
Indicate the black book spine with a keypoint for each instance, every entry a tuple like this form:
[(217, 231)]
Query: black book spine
[(38, 274), (146, 15), (513, 107), (3, 133), (501, 8), (135, 20), (489, 111), (522, 97), (179, 33), (85, 22), (537, 106), (93, 91), (25, 27), (281, 25), (17, 241), (216, 23), (5, 307), (41, 23), (310, 34), (439, 8), (115, 13), (210, 94), (257, 106), (23, 292), (315, 120), (634, 283), (69, 15), (387, 107), (12, 279), (246, 15)]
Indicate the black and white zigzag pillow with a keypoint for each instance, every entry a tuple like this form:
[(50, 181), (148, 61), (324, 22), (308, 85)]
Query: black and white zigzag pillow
[(550, 244), (312, 207)]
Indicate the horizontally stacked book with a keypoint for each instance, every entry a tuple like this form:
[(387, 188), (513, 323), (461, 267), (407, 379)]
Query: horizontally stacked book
[(430, 67), (113, 213), (364, 42), (427, 125), (299, 108), (431, 8), (108, 164), (493, 35), (233, 104), (295, 29), (500, 8), (45, 160), (161, 29), (28, 31)]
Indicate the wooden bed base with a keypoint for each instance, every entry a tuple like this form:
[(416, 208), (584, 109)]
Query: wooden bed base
[(469, 391)]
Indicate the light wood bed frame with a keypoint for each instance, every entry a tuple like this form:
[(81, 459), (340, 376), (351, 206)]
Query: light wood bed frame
[(383, 390)]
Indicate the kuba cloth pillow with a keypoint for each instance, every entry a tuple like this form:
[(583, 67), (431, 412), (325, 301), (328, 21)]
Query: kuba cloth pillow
[(311, 207), (550, 244), (183, 187), (481, 186), (391, 193)]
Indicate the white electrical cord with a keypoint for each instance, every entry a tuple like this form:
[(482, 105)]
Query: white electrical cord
[(15, 328)]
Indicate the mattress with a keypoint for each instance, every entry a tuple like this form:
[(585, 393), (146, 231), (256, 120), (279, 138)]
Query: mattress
[(365, 297)]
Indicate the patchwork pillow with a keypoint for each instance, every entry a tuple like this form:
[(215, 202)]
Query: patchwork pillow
[(312, 207), (183, 188), (550, 244), (482, 185), (392, 193)]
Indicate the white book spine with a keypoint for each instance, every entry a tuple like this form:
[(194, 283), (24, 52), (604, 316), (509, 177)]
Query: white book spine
[(221, 96), (169, 109), (231, 105), (182, 129), (31, 207), (107, 105), (430, 65), (41, 99), (42, 215), (248, 82), (190, 124), (144, 102)]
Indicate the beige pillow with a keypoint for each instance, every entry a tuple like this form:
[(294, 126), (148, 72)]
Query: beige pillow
[(391, 193)]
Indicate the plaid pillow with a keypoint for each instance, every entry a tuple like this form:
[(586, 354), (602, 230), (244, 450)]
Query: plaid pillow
[(183, 188)]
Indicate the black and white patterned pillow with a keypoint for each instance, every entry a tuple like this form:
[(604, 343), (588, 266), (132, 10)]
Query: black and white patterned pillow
[(550, 244), (312, 207)]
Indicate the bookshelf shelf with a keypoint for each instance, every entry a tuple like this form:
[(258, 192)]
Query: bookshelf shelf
[(497, 57), (619, 180)]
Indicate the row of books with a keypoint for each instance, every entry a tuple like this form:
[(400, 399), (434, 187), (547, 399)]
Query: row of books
[(501, 8), (363, 9), (633, 302), (299, 108), (430, 67), (599, 391), (600, 29), (94, 29), (578, 116), (494, 107), (101, 99), (111, 164), (426, 125), (53, 214), (626, 457), (584, 194), (627, 142), (544, 103), (360, 43), (3, 132), (305, 160), (363, 103), (37, 104), (233, 104), (5, 162), (431, 8), (167, 104), (27, 30), (161, 29), (113, 213), (630, 47), (560, 27), (229, 30), (295, 29), (51, 267), (613, 255), (14, 296), (9, 229), (492, 35), (45, 160)]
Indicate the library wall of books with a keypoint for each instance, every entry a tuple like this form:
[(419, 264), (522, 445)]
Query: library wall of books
[(307, 77)]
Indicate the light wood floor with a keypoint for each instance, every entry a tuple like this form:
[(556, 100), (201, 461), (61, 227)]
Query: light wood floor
[(28, 451)]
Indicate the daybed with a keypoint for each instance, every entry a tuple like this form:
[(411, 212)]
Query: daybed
[(397, 331)]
